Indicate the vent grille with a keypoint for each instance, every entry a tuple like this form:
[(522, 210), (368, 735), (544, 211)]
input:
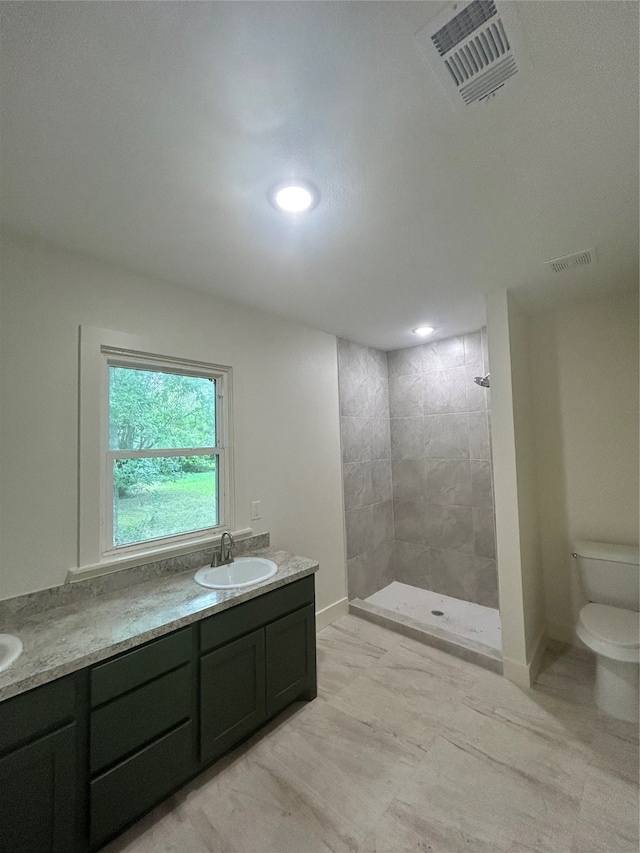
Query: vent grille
[(464, 23), (474, 51), (579, 259), (478, 53), (486, 84)]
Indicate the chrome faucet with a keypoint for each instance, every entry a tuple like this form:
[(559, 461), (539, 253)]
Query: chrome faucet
[(226, 556)]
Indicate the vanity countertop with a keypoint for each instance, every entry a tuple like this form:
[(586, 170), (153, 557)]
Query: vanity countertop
[(64, 639)]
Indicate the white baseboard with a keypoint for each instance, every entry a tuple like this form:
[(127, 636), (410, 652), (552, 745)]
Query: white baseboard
[(332, 613), (525, 674), (516, 672)]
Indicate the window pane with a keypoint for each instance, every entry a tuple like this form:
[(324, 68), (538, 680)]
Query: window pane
[(163, 497), (149, 409)]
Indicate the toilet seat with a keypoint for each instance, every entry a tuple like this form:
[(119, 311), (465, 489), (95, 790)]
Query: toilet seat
[(610, 631)]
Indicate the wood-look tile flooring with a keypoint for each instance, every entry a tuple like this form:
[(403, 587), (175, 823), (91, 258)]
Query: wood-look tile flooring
[(409, 749)]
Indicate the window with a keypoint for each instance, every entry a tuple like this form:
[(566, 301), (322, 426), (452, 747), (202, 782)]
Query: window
[(162, 460), (154, 433)]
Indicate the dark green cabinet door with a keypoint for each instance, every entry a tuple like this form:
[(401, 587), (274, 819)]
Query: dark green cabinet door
[(37, 795), (232, 698), (291, 659)]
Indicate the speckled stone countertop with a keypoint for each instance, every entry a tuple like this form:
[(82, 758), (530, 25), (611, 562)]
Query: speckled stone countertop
[(62, 639)]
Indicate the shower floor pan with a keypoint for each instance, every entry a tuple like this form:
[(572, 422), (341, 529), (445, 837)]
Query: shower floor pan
[(462, 628)]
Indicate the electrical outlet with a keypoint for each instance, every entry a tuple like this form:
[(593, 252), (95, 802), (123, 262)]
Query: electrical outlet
[(255, 510)]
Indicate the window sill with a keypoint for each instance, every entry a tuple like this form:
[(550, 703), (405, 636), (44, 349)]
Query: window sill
[(128, 561)]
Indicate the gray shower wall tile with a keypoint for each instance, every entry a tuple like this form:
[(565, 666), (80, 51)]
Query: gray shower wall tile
[(484, 538), (407, 438), (380, 438), (385, 557), (481, 489), (354, 395), (378, 397), (450, 528), (485, 575), (446, 436), (371, 571), (476, 394), (479, 447), (359, 528), (473, 348), (411, 563), (448, 481), (383, 565), (377, 363), (381, 481), (405, 397), (409, 479), (360, 579), (405, 362), (452, 573), (444, 391), (383, 531), (357, 439), (358, 489), (409, 521), (448, 352), (353, 358)]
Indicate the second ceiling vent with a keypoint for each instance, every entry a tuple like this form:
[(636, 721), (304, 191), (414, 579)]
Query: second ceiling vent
[(578, 259), (475, 49)]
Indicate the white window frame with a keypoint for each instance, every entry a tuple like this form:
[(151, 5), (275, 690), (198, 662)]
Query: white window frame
[(99, 349)]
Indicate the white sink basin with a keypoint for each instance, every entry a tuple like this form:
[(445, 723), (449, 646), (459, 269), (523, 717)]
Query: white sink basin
[(10, 650), (244, 571)]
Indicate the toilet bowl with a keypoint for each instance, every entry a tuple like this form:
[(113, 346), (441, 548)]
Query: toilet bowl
[(610, 623)]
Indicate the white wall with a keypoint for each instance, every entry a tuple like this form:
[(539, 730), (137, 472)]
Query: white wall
[(585, 386), (287, 442), (517, 533)]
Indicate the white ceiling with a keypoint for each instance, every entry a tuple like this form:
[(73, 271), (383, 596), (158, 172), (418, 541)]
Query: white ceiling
[(150, 133)]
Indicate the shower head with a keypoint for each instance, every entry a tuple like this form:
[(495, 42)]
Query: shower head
[(482, 380)]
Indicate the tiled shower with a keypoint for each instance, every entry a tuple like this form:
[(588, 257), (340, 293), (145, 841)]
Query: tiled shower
[(417, 469)]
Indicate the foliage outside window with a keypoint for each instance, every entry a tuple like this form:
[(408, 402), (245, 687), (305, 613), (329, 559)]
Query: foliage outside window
[(164, 460)]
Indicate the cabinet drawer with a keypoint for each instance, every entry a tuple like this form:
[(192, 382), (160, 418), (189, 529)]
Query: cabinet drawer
[(129, 722), (127, 790), (25, 716), (140, 665), (239, 620)]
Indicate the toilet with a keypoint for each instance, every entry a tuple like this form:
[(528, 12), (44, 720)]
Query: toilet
[(610, 623)]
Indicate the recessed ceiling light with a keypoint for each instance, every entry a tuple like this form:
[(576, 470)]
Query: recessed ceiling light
[(294, 197), (423, 331)]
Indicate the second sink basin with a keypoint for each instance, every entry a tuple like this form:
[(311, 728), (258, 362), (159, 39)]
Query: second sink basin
[(244, 571), (10, 650)]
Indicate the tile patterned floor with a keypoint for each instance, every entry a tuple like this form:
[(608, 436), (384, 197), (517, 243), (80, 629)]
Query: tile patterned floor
[(408, 750)]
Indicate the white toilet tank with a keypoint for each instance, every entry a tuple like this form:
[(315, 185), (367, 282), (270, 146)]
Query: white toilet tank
[(609, 574)]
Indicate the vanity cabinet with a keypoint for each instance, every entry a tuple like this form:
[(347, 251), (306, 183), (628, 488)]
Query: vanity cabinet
[(83, 757), (256, 658), (39, 797), (142, 724)]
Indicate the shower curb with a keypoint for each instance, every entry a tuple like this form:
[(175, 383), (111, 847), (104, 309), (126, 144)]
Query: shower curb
[(444, 641)]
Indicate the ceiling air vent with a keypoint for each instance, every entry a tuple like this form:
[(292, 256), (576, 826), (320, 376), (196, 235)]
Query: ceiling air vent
[(474, 49), (579, 259)]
